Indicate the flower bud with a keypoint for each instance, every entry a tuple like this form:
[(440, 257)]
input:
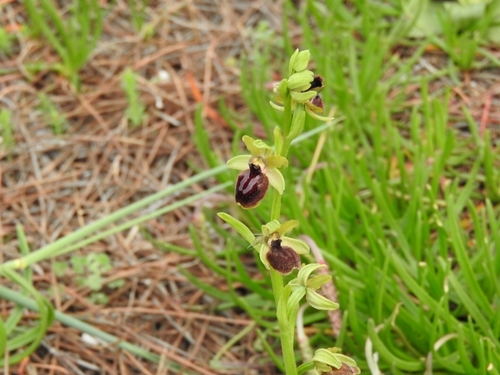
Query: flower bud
[(300, 81)]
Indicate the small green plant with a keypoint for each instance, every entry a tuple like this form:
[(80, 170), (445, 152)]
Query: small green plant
[(51, 114), (17, 339), (135, 110), (296, 96), (5, 40), (89, 270), (464, 25), (461, 45), (21, 344), (73, 37), (137, 13), (6, 130)]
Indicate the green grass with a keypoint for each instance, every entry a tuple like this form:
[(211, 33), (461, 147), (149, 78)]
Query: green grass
[(404, 207), (73, 36)]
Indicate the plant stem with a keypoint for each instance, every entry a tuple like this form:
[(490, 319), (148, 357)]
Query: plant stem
[(276, 206), (287, 121), (286, 328)]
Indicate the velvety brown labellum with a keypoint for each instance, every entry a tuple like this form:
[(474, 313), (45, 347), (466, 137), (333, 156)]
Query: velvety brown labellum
[(344, 370), (318, 102), (251, 186), (282, 258), (317, 84)]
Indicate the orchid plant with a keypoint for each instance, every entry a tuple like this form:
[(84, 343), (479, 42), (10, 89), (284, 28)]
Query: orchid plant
[(296, 96)]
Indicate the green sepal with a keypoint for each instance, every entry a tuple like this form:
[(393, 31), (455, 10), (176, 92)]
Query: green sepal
[(302, 60), (276, 161), (311, 113), (299, 246), (256, 146), (301, 81), (319, 302), (287, 226), (276, 179), (302, 97)]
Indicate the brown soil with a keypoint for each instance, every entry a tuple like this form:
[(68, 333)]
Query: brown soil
[(54, 184)]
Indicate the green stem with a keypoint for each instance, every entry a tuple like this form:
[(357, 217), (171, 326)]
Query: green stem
[(287, 121), (276, 206), (286, 328)]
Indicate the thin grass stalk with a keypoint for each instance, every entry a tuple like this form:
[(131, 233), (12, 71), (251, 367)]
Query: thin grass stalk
[(50, 250)]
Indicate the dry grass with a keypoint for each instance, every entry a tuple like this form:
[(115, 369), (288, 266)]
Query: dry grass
[(53, 185)]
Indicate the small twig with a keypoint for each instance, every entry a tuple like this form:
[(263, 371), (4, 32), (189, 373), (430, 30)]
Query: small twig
[(486, 114)]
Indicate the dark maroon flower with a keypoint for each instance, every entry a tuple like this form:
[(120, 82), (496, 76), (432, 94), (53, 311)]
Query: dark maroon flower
[(251, 186), (282, 258)]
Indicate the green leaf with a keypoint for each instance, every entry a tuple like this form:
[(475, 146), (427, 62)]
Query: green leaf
[(241, 228)]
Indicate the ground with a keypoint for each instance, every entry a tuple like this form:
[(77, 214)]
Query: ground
[(54, 184)]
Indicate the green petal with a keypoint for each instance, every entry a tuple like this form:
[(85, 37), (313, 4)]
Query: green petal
[(270, 227), (275, 161), (239, 162), (276, 179), (317, 117), (249, 142), (319, 302), (318, 281), (263, 250), (287, 226), (299, 246)]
